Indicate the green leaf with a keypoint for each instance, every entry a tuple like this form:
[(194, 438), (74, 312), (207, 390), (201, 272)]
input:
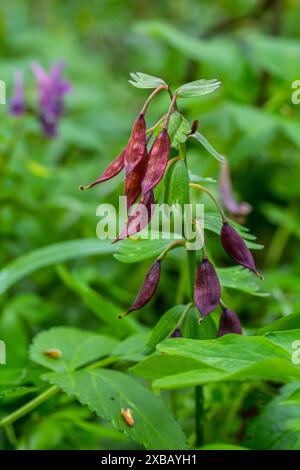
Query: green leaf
[(50, 255), (200, 179), (221, 446), (77, 348), (229, 358), (242, 279), (164, 327), (290, 322), (106, 392), (191, 328), (105, 310), (203, 141), (198, 88), (178, 129), (177, 184), (278, 424), (133, 250), (142, 80), (132, 348)]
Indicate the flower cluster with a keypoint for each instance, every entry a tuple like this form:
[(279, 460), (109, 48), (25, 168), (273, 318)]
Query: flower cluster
[(51, 89), (144, 168)]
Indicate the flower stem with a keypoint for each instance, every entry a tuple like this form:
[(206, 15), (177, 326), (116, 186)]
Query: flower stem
[(154, 92), (202, 188), (31, 405)]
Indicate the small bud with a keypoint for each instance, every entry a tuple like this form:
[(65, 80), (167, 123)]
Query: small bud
[(140, 218), (229, 323), (137, 144), (158, 159), (148, 288), (176, 333), (112, 170), (207, 290), (235, 246)]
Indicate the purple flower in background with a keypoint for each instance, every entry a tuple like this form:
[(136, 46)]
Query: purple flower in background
[(17, 104), (238, 210), (52, 89)]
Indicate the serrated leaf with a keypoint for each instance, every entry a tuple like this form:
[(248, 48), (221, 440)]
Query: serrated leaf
[(178, 129), (106, 392), (198, 88), (203, 141), (164, 327), (142, 80), (77, 348), (49, 256)]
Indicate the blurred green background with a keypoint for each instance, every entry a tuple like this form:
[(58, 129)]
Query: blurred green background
[(252, 46)]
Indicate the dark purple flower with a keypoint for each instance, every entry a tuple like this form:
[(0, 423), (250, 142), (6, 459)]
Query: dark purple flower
[(158, 159), (140, 218), (235, 246), (207, 289), (17, 104), (52, 89), (229, 323), (148, 288), (236, 209)]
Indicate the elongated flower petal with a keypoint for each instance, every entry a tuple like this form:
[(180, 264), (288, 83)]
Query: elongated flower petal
[(140, 218), (137, 145), (112, 170), (133, 180), (235, 246), (17, 103), (238, 209), (158, 159), (148, 288), (207, 289), (229, 323)]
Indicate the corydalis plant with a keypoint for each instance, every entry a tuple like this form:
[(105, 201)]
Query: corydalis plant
[(145, 161)]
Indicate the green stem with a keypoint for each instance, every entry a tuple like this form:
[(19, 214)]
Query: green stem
[(31, 405), (199, 409), (202, 188)]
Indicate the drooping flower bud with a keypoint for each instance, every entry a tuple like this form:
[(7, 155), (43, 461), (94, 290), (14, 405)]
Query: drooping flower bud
[(229, 323), (137, 144), (148, 288), (235, 246), (17, 105), (158, 159), (207, 289), (112, 170), (140, 217), (236, 209), (134, 179)]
